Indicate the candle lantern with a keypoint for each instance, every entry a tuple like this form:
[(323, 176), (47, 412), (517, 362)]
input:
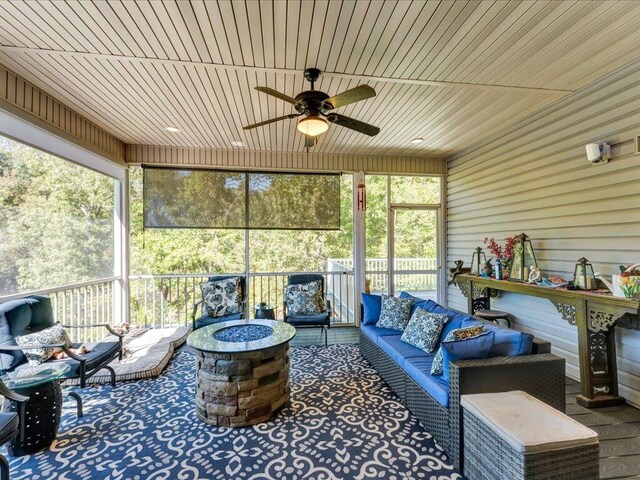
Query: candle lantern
[(523, 259), (584, 278), (478, 259)]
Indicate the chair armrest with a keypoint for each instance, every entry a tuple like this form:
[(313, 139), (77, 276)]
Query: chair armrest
[(108, 327), (11, 395), (329, 308), (195, 310)]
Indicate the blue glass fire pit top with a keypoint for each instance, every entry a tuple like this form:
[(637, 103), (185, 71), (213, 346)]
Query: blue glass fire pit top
[(238, 336), (243, 333)]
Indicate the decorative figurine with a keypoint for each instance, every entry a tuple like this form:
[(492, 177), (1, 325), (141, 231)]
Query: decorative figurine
[(487, 269), (534, 274)]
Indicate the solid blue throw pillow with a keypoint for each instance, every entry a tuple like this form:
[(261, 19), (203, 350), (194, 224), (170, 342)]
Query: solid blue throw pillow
[(507, 342), (470, 348), (372, 305)]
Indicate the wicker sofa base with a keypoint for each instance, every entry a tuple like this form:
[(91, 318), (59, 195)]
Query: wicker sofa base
[(488, 457), (432, 416), (539, 374)]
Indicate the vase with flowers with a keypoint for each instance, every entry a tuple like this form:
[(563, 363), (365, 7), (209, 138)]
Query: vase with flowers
[(504, 254)]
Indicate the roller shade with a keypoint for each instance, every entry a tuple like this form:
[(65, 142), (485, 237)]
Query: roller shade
[(189, 198)]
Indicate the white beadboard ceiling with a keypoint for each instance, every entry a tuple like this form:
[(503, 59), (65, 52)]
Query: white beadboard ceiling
[(451, 72)]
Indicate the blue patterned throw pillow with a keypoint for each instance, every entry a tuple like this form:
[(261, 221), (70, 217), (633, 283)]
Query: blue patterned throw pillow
[(423, 329), (437, 367), (54, 335), (395, 312), (222, 297), (305, 298)]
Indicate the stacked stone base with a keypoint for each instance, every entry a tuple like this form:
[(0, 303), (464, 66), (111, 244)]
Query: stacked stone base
[(241, 389)]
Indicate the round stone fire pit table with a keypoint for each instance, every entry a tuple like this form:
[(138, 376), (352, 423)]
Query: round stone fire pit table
[(242, 370)]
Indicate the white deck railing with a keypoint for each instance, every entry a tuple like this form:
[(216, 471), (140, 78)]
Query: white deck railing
[(83, 303), (167, 300)]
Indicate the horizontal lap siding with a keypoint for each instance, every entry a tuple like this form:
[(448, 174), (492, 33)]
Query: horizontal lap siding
[(202, 157), (535, 178), (34, 101)]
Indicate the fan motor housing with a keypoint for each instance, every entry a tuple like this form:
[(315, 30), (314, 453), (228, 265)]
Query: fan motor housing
[(311, 101)]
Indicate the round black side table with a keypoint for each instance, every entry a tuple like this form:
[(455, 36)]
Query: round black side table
[(42, 411), (264, 312)]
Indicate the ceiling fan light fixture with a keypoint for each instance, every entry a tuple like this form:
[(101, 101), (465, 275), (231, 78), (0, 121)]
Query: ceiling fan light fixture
[(313, 125)]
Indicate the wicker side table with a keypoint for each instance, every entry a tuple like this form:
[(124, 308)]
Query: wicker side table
[(512, 435), (42, 411)]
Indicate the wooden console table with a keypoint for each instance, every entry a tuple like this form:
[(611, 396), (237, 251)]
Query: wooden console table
[(595, 316)]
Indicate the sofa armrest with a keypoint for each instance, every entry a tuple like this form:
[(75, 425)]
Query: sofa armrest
[(540, 346), (541, 375)]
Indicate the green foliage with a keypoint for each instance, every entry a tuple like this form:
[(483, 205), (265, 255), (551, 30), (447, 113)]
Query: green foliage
[(56, 221)]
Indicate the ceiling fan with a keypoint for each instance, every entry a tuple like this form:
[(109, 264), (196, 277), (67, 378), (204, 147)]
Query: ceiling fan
[(316, 109)]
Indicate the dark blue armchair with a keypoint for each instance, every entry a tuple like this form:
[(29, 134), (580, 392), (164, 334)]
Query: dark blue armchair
[(11, 424), (205, 320), (34, 313), (322, 320)]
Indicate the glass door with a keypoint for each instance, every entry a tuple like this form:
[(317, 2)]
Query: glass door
[(413, 251)]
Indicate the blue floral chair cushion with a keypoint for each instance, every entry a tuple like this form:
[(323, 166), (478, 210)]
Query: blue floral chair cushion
[(305, 298), (437, 367), (395, 312), (423, 329), (222, 297)]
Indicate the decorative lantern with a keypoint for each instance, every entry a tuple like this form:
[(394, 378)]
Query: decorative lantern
[(523, 259), (478, 259), (584, 278)]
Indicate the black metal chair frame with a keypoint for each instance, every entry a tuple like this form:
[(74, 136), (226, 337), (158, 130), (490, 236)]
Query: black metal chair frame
[(20, 400), (310, 278), (83, 373), (215, 278)]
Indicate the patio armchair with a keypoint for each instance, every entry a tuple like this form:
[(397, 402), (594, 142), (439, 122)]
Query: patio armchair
[(11, 424), (33, 314), (204, 319), (322, 320)]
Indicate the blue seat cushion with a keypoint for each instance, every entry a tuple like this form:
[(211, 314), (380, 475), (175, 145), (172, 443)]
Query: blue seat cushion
[(8, 425), (373, 332), (206, 320), (419, 368), (468, 348), (398, 350), (99, 353), (372, 304), (507, 342), (308, 320)]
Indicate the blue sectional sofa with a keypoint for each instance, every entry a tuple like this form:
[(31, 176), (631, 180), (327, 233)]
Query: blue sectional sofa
[(517, 361)]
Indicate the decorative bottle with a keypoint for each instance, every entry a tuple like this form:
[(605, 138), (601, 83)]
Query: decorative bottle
[(498, 269)]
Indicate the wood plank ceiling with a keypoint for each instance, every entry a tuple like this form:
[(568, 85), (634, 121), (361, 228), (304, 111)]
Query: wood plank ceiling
[(449, 72)]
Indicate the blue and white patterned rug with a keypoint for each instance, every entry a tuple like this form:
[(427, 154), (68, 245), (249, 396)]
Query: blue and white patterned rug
[(343, 423)]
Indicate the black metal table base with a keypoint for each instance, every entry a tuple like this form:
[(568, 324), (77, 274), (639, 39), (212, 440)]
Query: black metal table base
[(41, 419)]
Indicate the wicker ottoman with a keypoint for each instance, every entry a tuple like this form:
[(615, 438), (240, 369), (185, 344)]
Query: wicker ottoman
[(512, 435)]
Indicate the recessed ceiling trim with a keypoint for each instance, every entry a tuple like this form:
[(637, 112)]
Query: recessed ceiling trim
[(248, 68)]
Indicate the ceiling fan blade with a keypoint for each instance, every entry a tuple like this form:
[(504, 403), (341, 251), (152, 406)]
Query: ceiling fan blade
[(275, 93), (361, 92), (266, 122), (354, 124), (310, 141)]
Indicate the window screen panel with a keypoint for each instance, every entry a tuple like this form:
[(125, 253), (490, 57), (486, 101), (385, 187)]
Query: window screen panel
[(294, 201), (183, 198), (180, 198)]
